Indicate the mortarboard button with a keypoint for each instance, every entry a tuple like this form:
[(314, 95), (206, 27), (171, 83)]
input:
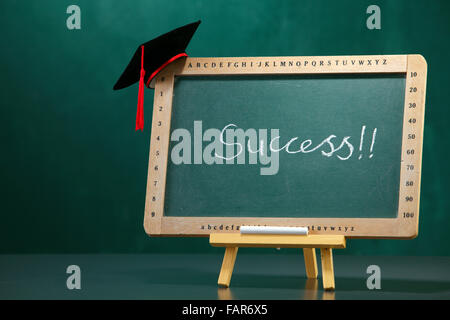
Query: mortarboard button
[(150, 58)]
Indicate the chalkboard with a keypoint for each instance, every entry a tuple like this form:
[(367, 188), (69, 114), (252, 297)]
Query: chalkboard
[(331, 143)]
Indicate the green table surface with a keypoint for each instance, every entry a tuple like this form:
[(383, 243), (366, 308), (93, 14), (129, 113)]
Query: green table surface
[(181, 276)]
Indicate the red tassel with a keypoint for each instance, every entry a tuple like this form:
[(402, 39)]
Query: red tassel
[(140, 104)]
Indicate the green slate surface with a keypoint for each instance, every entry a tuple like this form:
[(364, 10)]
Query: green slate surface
[(314, 182)]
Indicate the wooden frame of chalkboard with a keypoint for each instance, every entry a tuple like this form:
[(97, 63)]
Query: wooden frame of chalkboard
[(405, 225)]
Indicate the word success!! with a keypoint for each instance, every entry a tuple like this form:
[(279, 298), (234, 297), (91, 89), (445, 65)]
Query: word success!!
[(228, 146)]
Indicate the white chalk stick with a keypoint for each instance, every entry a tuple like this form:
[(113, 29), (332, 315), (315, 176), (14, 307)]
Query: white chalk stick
[(273, 230)]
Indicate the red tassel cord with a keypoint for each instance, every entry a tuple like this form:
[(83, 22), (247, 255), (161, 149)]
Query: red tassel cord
[(140, 104), (180, 55)]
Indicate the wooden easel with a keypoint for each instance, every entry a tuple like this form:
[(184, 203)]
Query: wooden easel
[(326, 243)]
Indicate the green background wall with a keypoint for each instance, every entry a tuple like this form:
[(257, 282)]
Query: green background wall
[(72, 168)]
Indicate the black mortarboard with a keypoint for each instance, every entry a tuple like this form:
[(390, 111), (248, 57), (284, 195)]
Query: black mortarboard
[(150, 58)]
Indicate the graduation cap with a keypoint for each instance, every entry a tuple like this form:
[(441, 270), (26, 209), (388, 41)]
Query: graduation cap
[(150, 58)]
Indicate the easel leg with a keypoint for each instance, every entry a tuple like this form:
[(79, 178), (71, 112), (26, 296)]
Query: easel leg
[(310, 263), (327, 268), (227, 266)]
